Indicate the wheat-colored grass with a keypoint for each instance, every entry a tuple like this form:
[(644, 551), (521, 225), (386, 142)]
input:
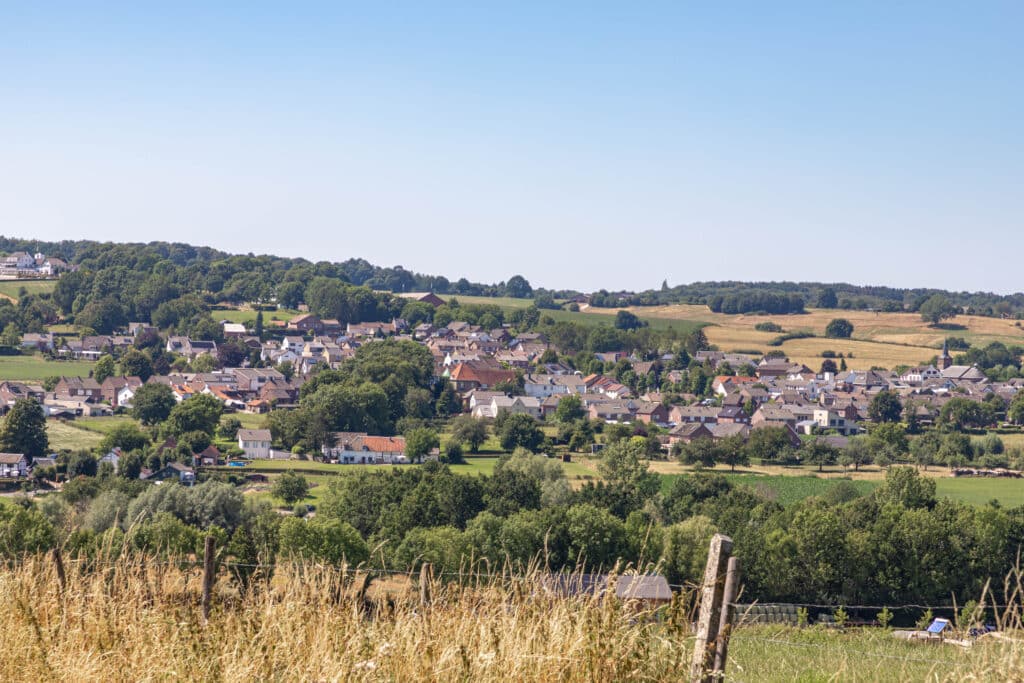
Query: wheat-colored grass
[(135, 620)]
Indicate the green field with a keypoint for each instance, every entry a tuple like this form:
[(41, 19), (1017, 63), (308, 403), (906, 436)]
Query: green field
[(979, 491), (66, 436), (250, 315), (38, 368), (788, 490), (583, 318), (785, 490), (10, 288)]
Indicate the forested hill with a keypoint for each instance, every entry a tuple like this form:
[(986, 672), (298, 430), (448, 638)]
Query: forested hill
[(245, 277)]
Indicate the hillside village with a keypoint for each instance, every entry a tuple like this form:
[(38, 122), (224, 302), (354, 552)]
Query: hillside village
[(498, 371)]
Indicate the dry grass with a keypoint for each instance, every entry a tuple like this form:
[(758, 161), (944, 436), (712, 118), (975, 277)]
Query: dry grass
[(135, 622), (131, 620), (883, 339)]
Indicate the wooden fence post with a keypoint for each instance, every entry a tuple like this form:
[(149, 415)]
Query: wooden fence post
[(732, 589), (209, 574), (425, 576), (712, 592), (58, 561)]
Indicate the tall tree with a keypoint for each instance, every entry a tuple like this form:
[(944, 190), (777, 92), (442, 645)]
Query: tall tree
[(24, 430), (936, 309), (885, 406), (152, 403)]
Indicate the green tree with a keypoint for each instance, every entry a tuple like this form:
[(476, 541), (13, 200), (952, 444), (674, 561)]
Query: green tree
[(936, 309), (819, 453), (320, 539), (290, 487), (419, 442), (24, 430), (858, 452), (126, 436), (839, 328), (469, 431), (259, 324), (519, 431), (569, 409), (448, 402), (769, 443), (135, 363), (152, 403), (885, 406), (625, 320), (1015, 413), (11, 336), (104, 368), (963, 413), (201, 413), (827, 298), (204, 362)]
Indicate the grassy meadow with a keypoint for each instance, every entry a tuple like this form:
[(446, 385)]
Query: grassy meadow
[(11, 288), (35, 367)]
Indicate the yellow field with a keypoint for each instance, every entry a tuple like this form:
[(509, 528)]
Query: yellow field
[(882, 339)]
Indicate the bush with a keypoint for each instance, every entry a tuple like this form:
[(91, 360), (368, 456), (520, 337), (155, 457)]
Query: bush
[(783, 338), (768, 327), (840, 328)]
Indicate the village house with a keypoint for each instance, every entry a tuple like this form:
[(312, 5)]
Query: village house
[(13, 465), (516, 405), (361, 448), (174, 471), (254, 442), (37, 341), (305, 323)]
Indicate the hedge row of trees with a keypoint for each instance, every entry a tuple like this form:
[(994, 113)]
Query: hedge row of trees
[(897, 544)]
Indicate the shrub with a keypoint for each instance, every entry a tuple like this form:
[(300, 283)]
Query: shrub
[(768, 327)]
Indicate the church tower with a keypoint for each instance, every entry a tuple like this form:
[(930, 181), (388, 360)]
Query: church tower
[(945, 360)]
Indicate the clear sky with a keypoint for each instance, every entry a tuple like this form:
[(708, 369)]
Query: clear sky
[(583, 145)]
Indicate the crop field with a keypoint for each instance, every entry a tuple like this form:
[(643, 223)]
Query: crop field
[(38, 368), (980, 490), (11, 288)]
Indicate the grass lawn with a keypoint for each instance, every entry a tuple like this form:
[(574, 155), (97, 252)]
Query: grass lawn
[(10, 288), (66, 436), (104, 425), (776, 654), (979, 491), (38, 368), (248, 420), (249, 315)]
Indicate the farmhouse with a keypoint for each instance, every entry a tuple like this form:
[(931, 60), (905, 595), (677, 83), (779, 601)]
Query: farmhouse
[(361, 448)]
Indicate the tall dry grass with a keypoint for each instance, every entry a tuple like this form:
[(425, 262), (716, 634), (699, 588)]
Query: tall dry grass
[(133, 620)]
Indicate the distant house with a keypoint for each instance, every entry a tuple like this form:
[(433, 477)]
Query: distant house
[(650, 589), (255, 442), (209, 457), (426, 297), (305, 322), (174, 471), (113, 457), (37, 341), (13, 465), (236, 330), (515, 405), (361, 448)]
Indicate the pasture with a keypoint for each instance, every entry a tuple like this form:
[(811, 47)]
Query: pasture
[(27, 368), (11, 289), (66, 436)]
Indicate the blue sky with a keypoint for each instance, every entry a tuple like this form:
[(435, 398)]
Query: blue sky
[(583, 145)]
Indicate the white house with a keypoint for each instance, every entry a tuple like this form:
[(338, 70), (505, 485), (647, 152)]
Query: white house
[(255, 442), (526, 405), (542, 386), (125, 395), (13, 465), (360, 448), (921, 373), (833, 419)]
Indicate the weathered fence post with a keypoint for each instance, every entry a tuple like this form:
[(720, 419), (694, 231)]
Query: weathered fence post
[(58, 562), (732, 589), (209, 574), (426, 574), (712, 592)]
